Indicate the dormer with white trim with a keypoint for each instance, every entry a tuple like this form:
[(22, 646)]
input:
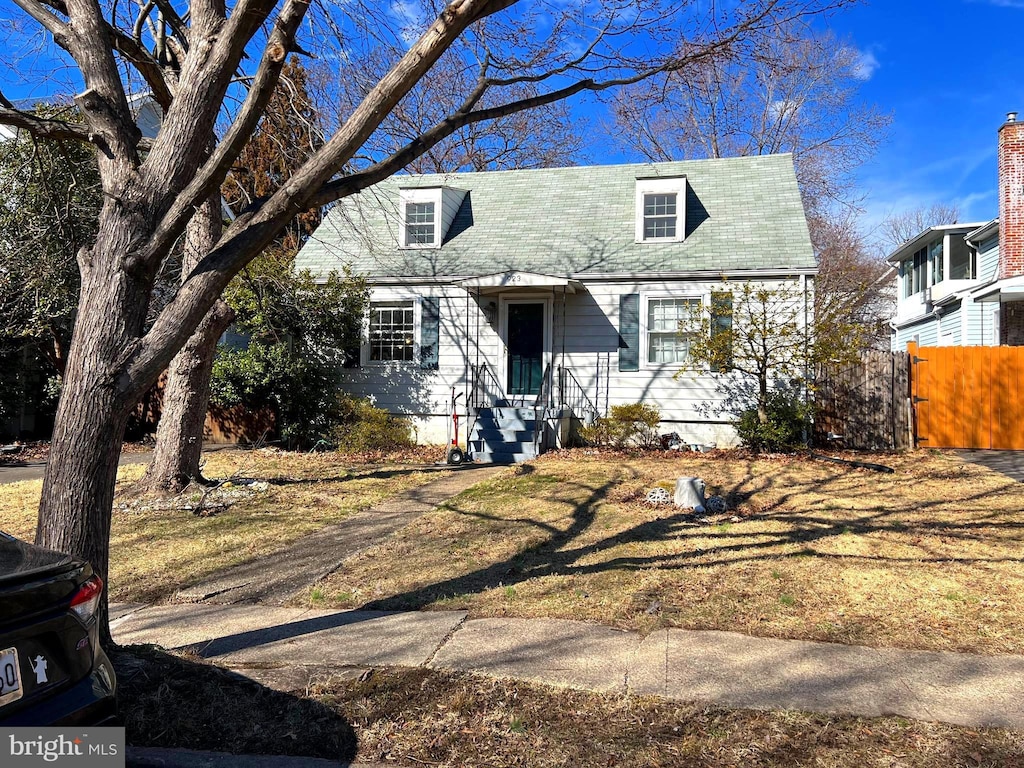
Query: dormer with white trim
[(661, 209), (425, 214)]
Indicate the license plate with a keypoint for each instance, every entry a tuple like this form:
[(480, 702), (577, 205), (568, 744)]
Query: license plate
[(10, 676)]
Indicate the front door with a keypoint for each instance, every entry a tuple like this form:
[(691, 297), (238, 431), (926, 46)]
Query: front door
[(525, 347)]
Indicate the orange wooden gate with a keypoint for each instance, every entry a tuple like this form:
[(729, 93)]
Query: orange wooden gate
[(968, 397)]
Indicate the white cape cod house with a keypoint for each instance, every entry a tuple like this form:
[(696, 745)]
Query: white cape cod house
[(550, 295)]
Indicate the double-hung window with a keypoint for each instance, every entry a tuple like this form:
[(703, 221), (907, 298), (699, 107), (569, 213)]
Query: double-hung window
[(420, 227), (660, 210), (667, 342), (392, 331), (660, 215), (420, 217)]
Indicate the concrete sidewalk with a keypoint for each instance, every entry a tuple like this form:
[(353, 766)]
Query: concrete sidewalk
[(287, 648)]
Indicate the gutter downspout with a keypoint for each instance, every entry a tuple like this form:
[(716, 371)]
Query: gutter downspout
[(807, 364)]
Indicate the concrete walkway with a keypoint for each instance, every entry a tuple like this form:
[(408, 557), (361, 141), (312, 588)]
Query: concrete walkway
[(274, 579), (287, 648)]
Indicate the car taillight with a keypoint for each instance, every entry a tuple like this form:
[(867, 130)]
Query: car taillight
[(87, 600)]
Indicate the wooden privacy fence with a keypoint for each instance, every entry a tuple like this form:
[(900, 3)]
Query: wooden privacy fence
[(865, 405), (968, 397)]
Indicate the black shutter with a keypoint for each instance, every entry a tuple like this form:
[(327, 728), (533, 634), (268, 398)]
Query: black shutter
[(629, 332), (350, 357), (352, 354), (430, 331), (721, 325)]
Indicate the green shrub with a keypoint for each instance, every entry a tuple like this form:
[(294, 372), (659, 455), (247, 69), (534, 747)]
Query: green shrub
[(363, 428), (783, 432), (635, 424), (299, 389)]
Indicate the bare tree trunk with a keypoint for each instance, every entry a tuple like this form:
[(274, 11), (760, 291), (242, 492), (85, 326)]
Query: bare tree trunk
[(179, 436), (92, 413)]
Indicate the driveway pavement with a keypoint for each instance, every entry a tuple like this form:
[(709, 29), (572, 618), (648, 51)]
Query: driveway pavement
[(1009, 463)]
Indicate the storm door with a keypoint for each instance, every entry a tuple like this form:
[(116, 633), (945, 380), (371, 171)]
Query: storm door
[(525, 345)]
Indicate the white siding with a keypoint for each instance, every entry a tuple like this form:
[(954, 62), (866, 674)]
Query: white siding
[(927, 330), (979, 323), (410, 390), (988, 259), (584, 339), (949, 327), (451, 200)]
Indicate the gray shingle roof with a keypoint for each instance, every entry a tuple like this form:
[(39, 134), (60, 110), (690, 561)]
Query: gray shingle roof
[(741, 213)]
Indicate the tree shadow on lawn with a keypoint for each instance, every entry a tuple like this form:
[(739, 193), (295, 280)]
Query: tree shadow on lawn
[(169, 701), (729, 543)]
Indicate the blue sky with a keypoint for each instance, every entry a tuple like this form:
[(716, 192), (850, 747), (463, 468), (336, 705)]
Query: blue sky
[(948, 71), (945, 70)]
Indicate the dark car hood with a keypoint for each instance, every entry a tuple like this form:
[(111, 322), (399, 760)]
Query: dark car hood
[(20, 560)]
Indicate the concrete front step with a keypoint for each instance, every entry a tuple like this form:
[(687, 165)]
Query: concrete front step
[(504, 426), (500, 413), (501, 434), (500, 456), (508, 446)]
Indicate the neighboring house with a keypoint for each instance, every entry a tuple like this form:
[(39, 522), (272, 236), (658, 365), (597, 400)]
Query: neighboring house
[(963, 284), (550, 295)]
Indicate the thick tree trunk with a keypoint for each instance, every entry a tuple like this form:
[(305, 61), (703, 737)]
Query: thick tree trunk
[(179, 436), (95, 401)]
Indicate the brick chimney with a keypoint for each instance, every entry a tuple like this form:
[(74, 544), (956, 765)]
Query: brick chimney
[(1011, 197)]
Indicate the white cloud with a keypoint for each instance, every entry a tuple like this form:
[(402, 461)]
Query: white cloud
[(867, 64), (784, 108), (410, 18)]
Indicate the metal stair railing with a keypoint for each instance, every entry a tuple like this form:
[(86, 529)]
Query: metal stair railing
[(540, 408), (573, 396), (486, 388)]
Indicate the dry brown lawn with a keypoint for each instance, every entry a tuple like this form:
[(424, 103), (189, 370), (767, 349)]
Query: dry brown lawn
[(428, 717), (161, 546), (928, 557)]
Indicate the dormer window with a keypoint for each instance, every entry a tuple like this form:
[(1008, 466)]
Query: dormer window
[(420, 227), (421, 218), (660, 210), (659, 216)]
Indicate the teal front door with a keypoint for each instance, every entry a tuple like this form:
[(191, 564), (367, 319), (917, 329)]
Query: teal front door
[(525, 348)]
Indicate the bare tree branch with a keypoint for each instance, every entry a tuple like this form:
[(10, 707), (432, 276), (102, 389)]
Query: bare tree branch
[(135, 54), (50, 128), (174, 20), (104, 102), (51, 23), (249, 233), (210, 176)]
